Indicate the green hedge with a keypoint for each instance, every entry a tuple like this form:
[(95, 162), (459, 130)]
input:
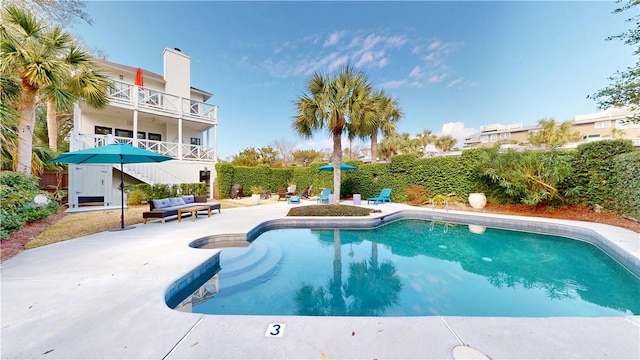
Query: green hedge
[(625, 184), (593, 169), (586, 175)]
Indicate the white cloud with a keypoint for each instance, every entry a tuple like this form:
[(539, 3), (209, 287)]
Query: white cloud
[(460, 83), (455, 82), (333, 39), (415, 73), (434, 45), (367, 50), (436, 78), (396, 41), (394, 84), (457, 130)]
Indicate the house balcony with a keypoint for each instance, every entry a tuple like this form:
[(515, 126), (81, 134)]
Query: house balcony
[(156, 102), (179, 152)]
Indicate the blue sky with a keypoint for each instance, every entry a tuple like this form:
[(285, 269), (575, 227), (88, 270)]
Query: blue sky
[(453, 66)]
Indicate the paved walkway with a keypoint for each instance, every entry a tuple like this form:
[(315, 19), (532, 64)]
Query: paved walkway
[(102, 296)]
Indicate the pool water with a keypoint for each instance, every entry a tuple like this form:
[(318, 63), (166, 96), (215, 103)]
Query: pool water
[(416, 268)]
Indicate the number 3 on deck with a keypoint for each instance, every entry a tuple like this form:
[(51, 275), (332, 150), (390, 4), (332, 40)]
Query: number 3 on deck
[(275, 330)]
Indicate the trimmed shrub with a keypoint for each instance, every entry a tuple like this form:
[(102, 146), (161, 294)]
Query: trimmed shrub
[(330, 210), (136, 197), (22, 202)]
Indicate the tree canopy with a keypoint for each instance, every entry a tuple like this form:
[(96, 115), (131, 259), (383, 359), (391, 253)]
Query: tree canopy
[(624, 89)]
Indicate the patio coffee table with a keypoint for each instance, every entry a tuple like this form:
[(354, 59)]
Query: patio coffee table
[(194, 211)]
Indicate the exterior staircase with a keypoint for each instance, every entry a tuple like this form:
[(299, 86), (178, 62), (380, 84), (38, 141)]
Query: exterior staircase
[(149, 173)]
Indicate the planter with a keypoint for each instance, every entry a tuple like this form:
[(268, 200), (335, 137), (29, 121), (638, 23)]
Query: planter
[(255, 199), (477, 200)]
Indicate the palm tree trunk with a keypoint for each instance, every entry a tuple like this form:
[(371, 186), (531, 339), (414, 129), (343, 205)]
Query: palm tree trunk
[(25, 128), (52, 125), (337, 302), (374, 147), (337, 160)]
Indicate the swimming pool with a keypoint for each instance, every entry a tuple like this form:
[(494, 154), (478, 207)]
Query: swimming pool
[(415, 268)]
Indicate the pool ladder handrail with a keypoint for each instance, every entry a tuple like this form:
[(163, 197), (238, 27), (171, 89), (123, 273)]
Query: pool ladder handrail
[(433, 204)]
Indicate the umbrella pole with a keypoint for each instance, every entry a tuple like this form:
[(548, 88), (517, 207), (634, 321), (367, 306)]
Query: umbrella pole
[(121, 193)]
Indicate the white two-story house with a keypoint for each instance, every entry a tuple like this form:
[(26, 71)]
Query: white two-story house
[(164, 114)]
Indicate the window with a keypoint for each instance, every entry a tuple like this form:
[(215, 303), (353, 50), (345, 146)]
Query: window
[(603, 124), (484, 139), (195, 141), (155, 137), (124, 133), (505, 135), (493, 138), (101, 130), (142, 135)]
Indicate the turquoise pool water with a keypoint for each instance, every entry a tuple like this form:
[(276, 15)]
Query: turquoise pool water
[(416, 268)]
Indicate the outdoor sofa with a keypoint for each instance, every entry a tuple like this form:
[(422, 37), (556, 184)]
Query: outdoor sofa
[(162, 208)]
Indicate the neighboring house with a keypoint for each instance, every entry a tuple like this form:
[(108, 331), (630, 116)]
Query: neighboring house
[(166, 115), (600, 125), (594, 126)]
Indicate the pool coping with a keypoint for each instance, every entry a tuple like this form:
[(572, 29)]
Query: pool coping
[(53, 305)]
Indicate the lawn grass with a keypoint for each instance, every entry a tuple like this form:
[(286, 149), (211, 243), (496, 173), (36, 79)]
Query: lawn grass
[(76, 225)]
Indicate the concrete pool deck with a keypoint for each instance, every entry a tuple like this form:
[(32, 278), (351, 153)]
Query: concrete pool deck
[(102, 296)]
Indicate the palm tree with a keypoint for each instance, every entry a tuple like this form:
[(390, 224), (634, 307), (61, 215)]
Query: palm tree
[(445, 143), (82, 81), (9, 95), (337, 103), (617, 133), (409, 144), (386, 114), (552, 134), (37, 58), (426, 137)]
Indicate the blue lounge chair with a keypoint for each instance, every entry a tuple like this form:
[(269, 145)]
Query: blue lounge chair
[(385, 196), (323, 198)]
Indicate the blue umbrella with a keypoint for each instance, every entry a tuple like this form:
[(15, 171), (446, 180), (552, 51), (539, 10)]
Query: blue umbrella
[(113, 154), (343, 166)]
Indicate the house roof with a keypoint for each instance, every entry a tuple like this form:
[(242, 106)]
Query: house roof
[(130, 69), (147, 74)]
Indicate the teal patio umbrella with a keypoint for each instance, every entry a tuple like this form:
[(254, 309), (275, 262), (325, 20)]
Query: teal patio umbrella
[(113, 154), (343, 167)]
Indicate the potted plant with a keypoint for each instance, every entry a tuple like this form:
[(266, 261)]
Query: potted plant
[(255, 194), (477, 200)]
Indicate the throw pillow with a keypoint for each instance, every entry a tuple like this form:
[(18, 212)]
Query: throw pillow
[(176, 201), (188, 199), (161, 203)]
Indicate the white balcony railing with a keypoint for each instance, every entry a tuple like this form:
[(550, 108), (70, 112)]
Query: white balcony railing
[(122, 93), (189, 152)]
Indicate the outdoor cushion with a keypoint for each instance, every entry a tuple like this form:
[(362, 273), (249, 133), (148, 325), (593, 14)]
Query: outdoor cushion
[(161, 203), (176, 201), (188, 199)]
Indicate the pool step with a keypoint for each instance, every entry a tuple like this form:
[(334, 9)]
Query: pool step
[(254, 266), (238, 260)]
